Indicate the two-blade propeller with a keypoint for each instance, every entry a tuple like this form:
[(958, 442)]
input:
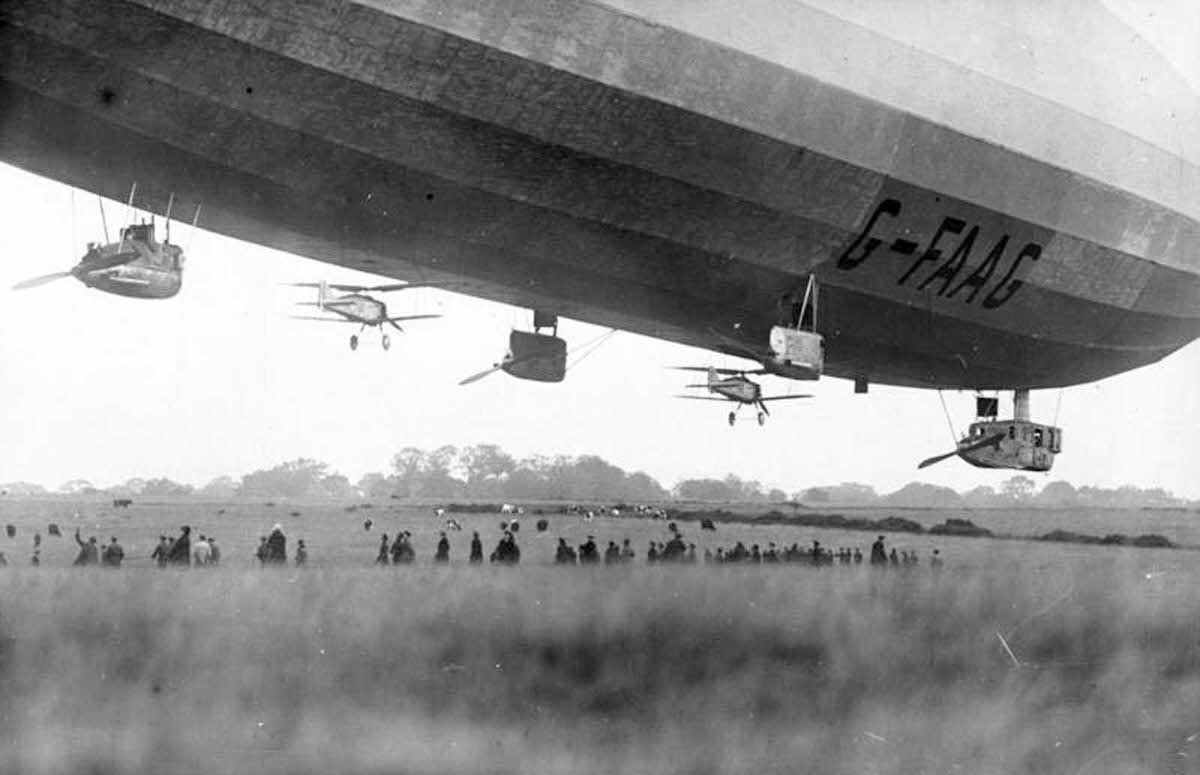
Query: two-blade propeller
[(36, 281), (92, 262), (507, 361), (989, 441)]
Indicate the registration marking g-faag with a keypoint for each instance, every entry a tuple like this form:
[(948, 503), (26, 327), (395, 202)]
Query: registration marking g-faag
[(965, 265)]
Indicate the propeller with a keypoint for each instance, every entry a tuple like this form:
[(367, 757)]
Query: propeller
[(36, 281), (507, 361), (92, 262), (495, 367), (990, 440)]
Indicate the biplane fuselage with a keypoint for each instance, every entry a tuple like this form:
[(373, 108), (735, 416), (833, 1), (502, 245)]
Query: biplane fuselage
[(735, 388), (359, 308)]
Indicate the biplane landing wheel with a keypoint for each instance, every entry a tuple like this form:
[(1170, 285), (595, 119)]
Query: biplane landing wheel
[(732, 418), (387, 341), (354, 342), (762, 418)]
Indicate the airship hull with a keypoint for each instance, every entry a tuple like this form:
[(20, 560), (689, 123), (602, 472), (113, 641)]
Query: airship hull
[(627, 165)]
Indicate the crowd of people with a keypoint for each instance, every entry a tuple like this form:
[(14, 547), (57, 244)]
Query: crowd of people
[(816, 555), (673, 550), (272, 550)]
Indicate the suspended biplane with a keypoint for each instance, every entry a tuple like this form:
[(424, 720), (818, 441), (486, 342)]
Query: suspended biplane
[(357, 307), (734, 385), (136, 265)]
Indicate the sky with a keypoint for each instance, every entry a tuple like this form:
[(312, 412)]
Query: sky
[(220, 380)]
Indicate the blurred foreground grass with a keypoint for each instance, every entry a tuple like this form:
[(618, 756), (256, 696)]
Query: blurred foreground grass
[(630, 670)]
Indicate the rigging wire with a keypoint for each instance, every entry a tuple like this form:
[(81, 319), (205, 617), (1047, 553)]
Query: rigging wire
[(74, 242), (593, 344), (949, 422), (1057, 406), (192, 231)]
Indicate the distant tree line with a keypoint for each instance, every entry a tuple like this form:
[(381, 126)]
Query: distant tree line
[(730, 489), (1017, 491), (486, 472)]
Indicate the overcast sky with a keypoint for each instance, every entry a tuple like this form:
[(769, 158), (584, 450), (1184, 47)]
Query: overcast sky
[(219, 380)]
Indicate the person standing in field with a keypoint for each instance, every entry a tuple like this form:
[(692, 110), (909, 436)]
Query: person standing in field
[(261, 552), (878, 552), (180, 552), (214, 552), (202, 551), (476, 549), (277, 546), (113, 554), (382, 557), (301, 553), (442, 555), (89, 554), (159, 555), (587, 552)]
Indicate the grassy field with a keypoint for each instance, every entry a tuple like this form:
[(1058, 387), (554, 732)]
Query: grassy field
[(344, 667)]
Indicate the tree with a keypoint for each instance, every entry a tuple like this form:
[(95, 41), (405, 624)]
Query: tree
[(1058, 493), (164, 486), (78, 487), (220, 487), (814, 495), (982, 497), (921, 495), (441, 460), (407, 462), (376, 485), (713, 490), (484, 463), (333, 485), (846, 493), (640, 486), (22, 488), (294, 479), (1018, 489)]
